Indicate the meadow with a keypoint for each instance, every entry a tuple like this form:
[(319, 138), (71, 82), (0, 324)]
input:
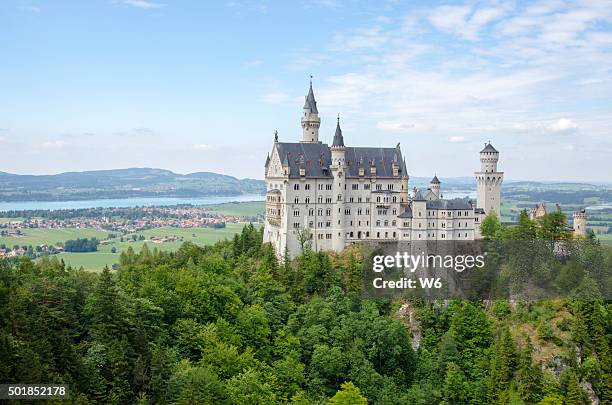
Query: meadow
[(95, 261)]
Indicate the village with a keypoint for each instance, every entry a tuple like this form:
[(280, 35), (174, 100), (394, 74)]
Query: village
[(108, 224)]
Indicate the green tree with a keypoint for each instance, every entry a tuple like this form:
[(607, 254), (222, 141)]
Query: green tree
[(491, 227), (348, 394)]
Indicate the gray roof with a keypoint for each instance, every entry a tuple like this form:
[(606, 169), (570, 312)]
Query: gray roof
[(406, 214), (338, 139), (435, 180), (310, 102), (489, 148), (317, 159), (418, 196), (454, 204), (382, 158), (479, 210)]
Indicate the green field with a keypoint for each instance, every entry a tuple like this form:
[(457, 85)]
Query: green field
[(104, 257), (39, 236), (249, 209)]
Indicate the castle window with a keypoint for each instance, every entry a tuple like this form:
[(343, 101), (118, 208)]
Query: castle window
[(328, 224), (307, 200), (320, 199), (296, 186), (351, 234), (394, 234), (379, 187), (367, 211), (393, 223), (347, 212), (377, 223), (355, 186), (296, 225), (378, 235), (394, 199), (367, 234), (296, 213), (366, 186), (394, 211), (386, 223), (386, 235), (311, 211), (307, 187), (328, 200), (297, 200), (358, 199)]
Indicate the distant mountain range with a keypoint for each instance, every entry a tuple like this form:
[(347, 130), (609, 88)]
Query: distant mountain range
[(122, 183), (147, 182)]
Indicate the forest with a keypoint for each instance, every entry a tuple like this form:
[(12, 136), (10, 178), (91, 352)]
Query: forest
[(231, 324)]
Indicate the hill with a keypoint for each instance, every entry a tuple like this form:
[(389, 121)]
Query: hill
[(122, 183)]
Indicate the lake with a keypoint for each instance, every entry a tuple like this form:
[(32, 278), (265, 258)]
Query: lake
[(124, 202)]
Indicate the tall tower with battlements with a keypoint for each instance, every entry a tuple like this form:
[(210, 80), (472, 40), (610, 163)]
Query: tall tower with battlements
[(489, 181)]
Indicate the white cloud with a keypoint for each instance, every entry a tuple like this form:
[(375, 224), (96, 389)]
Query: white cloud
[(203, 146), (456, 139), (394, 126), (562, 125), (569, 147), (143, 4), (53, 144)]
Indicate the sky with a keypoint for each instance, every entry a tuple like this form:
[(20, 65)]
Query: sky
[(190, 85)]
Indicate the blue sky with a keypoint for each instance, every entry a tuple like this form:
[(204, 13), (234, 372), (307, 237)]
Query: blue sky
[(201, 86)]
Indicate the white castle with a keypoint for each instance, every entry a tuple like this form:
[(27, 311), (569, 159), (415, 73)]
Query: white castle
[(337, 195)]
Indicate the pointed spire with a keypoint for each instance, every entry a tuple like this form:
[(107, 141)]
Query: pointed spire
[(275, 136), (338, 138), (311, 103), (435, 180)]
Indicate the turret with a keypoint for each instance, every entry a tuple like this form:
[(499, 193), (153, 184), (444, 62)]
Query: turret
[(338, 172), (434, 186), (310, 120), (404, 197), (580, 220), (489, 180), (489, 157)]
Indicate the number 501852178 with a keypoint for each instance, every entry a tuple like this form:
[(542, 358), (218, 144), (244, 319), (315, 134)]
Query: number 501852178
[(33, 391)]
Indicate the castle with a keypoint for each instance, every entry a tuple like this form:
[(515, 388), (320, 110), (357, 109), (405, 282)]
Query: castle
[(579, 218), (332, 196)]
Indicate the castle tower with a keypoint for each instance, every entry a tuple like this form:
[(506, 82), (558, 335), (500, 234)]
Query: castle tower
[(310, 120), (404, 197), (434, 186), (489, 180), (338, 172), (580, 220)]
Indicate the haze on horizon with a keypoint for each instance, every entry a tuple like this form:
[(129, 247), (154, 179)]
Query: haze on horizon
[(193, 87)]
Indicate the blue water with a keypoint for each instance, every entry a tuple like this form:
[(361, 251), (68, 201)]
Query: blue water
[(124, 202)]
